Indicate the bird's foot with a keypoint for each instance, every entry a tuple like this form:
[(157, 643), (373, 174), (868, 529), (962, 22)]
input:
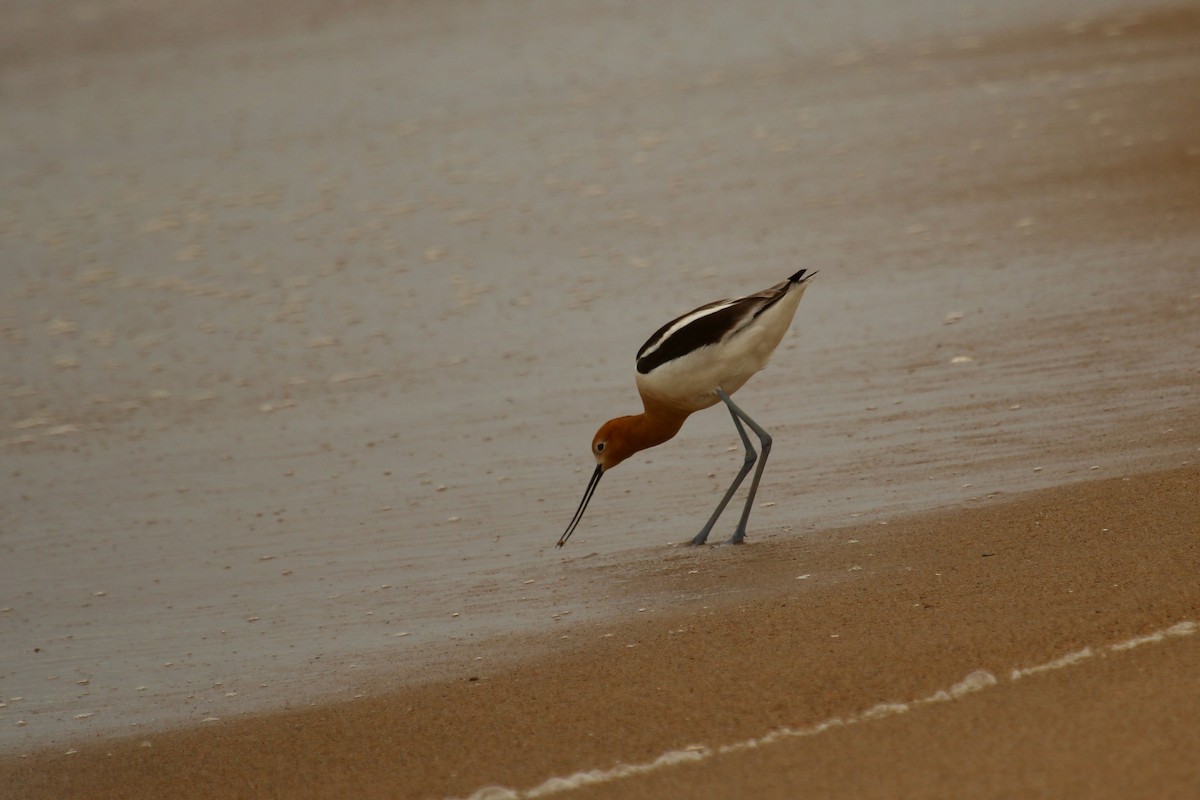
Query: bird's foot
[(735, 539), (739, 537)]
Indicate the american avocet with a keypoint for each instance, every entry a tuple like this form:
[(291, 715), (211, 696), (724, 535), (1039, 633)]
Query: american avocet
[(694, 362)]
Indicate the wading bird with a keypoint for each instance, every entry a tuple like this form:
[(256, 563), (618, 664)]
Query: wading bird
[(694, 362)]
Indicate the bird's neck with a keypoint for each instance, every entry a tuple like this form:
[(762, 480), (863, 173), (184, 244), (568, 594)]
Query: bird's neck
[(652, 427)]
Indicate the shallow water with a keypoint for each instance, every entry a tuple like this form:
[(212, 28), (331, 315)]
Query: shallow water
[(306, 334)]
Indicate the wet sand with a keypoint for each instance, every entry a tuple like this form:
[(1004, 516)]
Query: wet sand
[(1089, 589), (310, 319)]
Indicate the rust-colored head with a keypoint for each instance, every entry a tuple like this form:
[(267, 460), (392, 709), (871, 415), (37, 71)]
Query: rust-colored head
[(616, 441), (610, 446)]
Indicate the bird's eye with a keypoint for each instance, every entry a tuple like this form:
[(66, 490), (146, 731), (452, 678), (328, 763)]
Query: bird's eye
[(599, 447)]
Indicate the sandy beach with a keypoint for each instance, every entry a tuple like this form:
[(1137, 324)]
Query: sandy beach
[(310, 315), (1060, 630)]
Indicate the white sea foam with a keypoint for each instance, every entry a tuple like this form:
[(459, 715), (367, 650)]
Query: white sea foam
[(495, 793), (884, 710), (1178, 629), (976, 681), (1069, 660), (781, 733), (580, 779)]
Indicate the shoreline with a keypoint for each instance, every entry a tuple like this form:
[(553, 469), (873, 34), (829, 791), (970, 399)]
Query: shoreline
[(311, 316), (888, 614)]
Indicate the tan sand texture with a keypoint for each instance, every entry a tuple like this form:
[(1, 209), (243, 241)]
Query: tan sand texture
[(310, 313), (731, 646)]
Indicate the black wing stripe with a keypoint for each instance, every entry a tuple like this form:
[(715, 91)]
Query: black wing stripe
[(662, 332), (708, 329), (702, 332)]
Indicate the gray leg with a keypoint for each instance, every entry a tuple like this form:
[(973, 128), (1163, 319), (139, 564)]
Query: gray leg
[(765, 440), (751, 457)]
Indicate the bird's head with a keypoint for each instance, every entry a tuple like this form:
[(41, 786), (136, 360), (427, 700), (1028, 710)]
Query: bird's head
[(614, 442)]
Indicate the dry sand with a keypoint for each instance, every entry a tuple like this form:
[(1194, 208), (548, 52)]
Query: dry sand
[(733, 644), (309, 318)]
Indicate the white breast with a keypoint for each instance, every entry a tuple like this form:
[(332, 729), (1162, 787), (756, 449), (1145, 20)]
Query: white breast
[(690, 381)]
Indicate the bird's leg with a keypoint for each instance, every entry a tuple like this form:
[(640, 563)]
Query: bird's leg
[(764, 439), (751, 457)]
